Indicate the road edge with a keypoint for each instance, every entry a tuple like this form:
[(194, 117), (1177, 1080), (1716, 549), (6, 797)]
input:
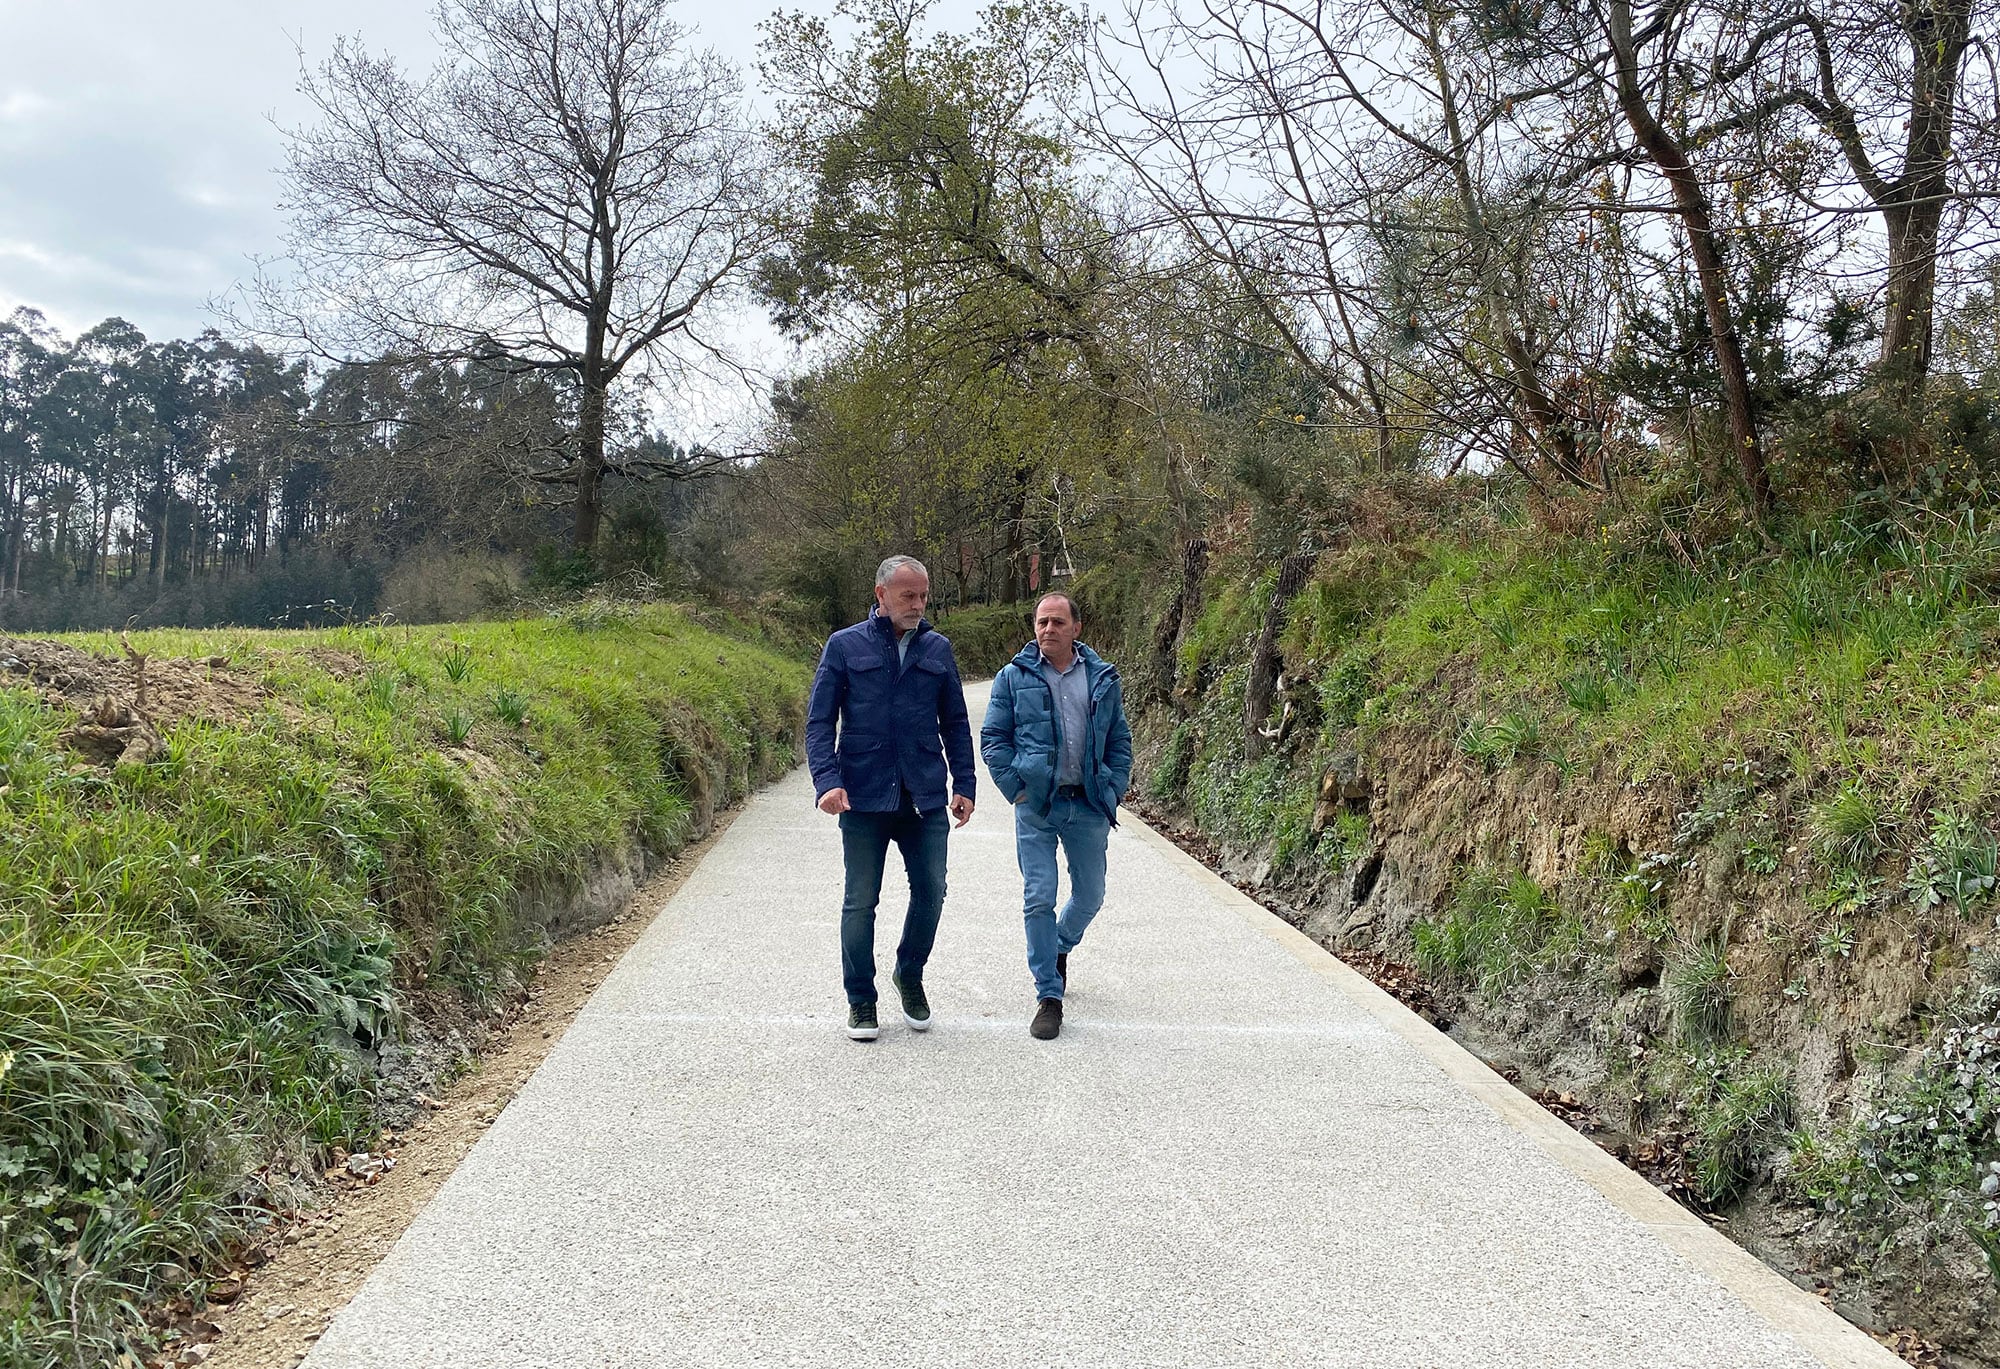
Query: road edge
[(1816, 1328)]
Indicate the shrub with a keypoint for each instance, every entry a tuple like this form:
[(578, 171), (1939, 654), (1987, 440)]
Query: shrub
[(1344, 691), (1169, 780), (1927, 1150), (1959, 860), (1345, 840), (984, 637), (441, 586), (309, 589), (1499, 741)]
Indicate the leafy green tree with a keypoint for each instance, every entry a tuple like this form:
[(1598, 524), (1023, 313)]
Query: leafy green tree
[(29, 361), (942, 231), (939, 180)]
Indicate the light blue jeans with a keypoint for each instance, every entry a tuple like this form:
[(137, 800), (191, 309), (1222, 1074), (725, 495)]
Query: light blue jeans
[(1084, 833)]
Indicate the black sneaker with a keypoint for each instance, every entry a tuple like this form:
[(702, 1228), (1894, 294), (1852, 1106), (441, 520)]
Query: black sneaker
[(1048, 1020), (861, 1022), (1062, 969), (916, 1008)]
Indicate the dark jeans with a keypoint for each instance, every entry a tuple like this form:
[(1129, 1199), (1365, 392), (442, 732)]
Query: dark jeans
[(864, 839)]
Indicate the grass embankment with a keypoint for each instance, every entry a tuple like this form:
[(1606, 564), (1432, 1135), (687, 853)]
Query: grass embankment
[(198, 954), (1833, 709)]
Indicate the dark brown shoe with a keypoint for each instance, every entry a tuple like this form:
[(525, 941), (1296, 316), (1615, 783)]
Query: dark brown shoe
[(1048, 1020)]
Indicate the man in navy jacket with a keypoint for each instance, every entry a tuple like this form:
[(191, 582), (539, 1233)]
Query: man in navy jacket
[(1060, 751), (892, 684)]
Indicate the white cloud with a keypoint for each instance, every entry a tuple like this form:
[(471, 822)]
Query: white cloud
[(20, 106), (29, 253)]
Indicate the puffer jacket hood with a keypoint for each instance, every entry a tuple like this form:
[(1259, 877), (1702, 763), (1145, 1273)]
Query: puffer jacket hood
[(1029, 657)]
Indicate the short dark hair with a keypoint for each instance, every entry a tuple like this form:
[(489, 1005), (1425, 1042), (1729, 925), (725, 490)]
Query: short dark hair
[(1075, 613)]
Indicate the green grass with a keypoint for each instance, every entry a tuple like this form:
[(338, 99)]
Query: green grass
[(1665, 669), (1742, 1115), (1847, 827), (1499, 925), (195, 955), (1696, 981), (1819, 701)]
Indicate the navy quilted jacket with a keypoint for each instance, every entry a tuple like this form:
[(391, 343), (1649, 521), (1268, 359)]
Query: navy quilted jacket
[(896, 724)]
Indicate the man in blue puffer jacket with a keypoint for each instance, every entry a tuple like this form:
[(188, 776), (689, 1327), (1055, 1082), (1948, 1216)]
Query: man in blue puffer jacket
[(1057, 745), (891, 683)]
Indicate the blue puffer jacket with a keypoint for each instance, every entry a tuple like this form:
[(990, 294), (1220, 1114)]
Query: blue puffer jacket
[(896, 723), (1018, 738)]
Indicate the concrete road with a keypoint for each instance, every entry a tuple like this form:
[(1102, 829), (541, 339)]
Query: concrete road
[(1239, 1153)]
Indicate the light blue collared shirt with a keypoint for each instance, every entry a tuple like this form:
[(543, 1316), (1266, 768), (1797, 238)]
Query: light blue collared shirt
[(1072, 695)]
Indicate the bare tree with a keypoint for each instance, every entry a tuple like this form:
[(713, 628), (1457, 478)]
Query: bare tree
[(1362, 177), (570, 191)]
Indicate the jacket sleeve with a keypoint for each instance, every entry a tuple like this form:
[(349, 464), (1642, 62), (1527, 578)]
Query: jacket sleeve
[(955, 727), (1118, 745), (996, 736), (829, 690)]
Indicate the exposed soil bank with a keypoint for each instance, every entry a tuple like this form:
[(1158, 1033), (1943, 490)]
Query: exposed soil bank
[(1599, 1032)]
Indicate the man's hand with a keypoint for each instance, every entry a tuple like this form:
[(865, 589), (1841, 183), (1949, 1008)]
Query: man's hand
[(961, 808), (834, 801)]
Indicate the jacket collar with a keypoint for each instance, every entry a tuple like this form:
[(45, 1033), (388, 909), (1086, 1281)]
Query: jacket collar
[(881, 623), (1029, 658)]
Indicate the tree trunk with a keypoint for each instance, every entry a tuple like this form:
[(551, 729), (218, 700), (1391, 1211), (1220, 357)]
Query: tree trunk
[(166, 543), (1912, 285), (1385, 436), (104, 543), (14, 553), (1914, 211), (1179, 617), (15, 509), (161, 505), (260, 530), (590, 463), (1265, 661), (1691, 205)]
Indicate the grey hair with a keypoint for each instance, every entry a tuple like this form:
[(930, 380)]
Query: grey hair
[(895, 563)]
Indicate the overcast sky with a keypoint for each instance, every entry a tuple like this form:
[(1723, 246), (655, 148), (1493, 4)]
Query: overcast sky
[(139, 156)]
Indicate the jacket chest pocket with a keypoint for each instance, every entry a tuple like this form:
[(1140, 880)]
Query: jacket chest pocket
[(869, 679)]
